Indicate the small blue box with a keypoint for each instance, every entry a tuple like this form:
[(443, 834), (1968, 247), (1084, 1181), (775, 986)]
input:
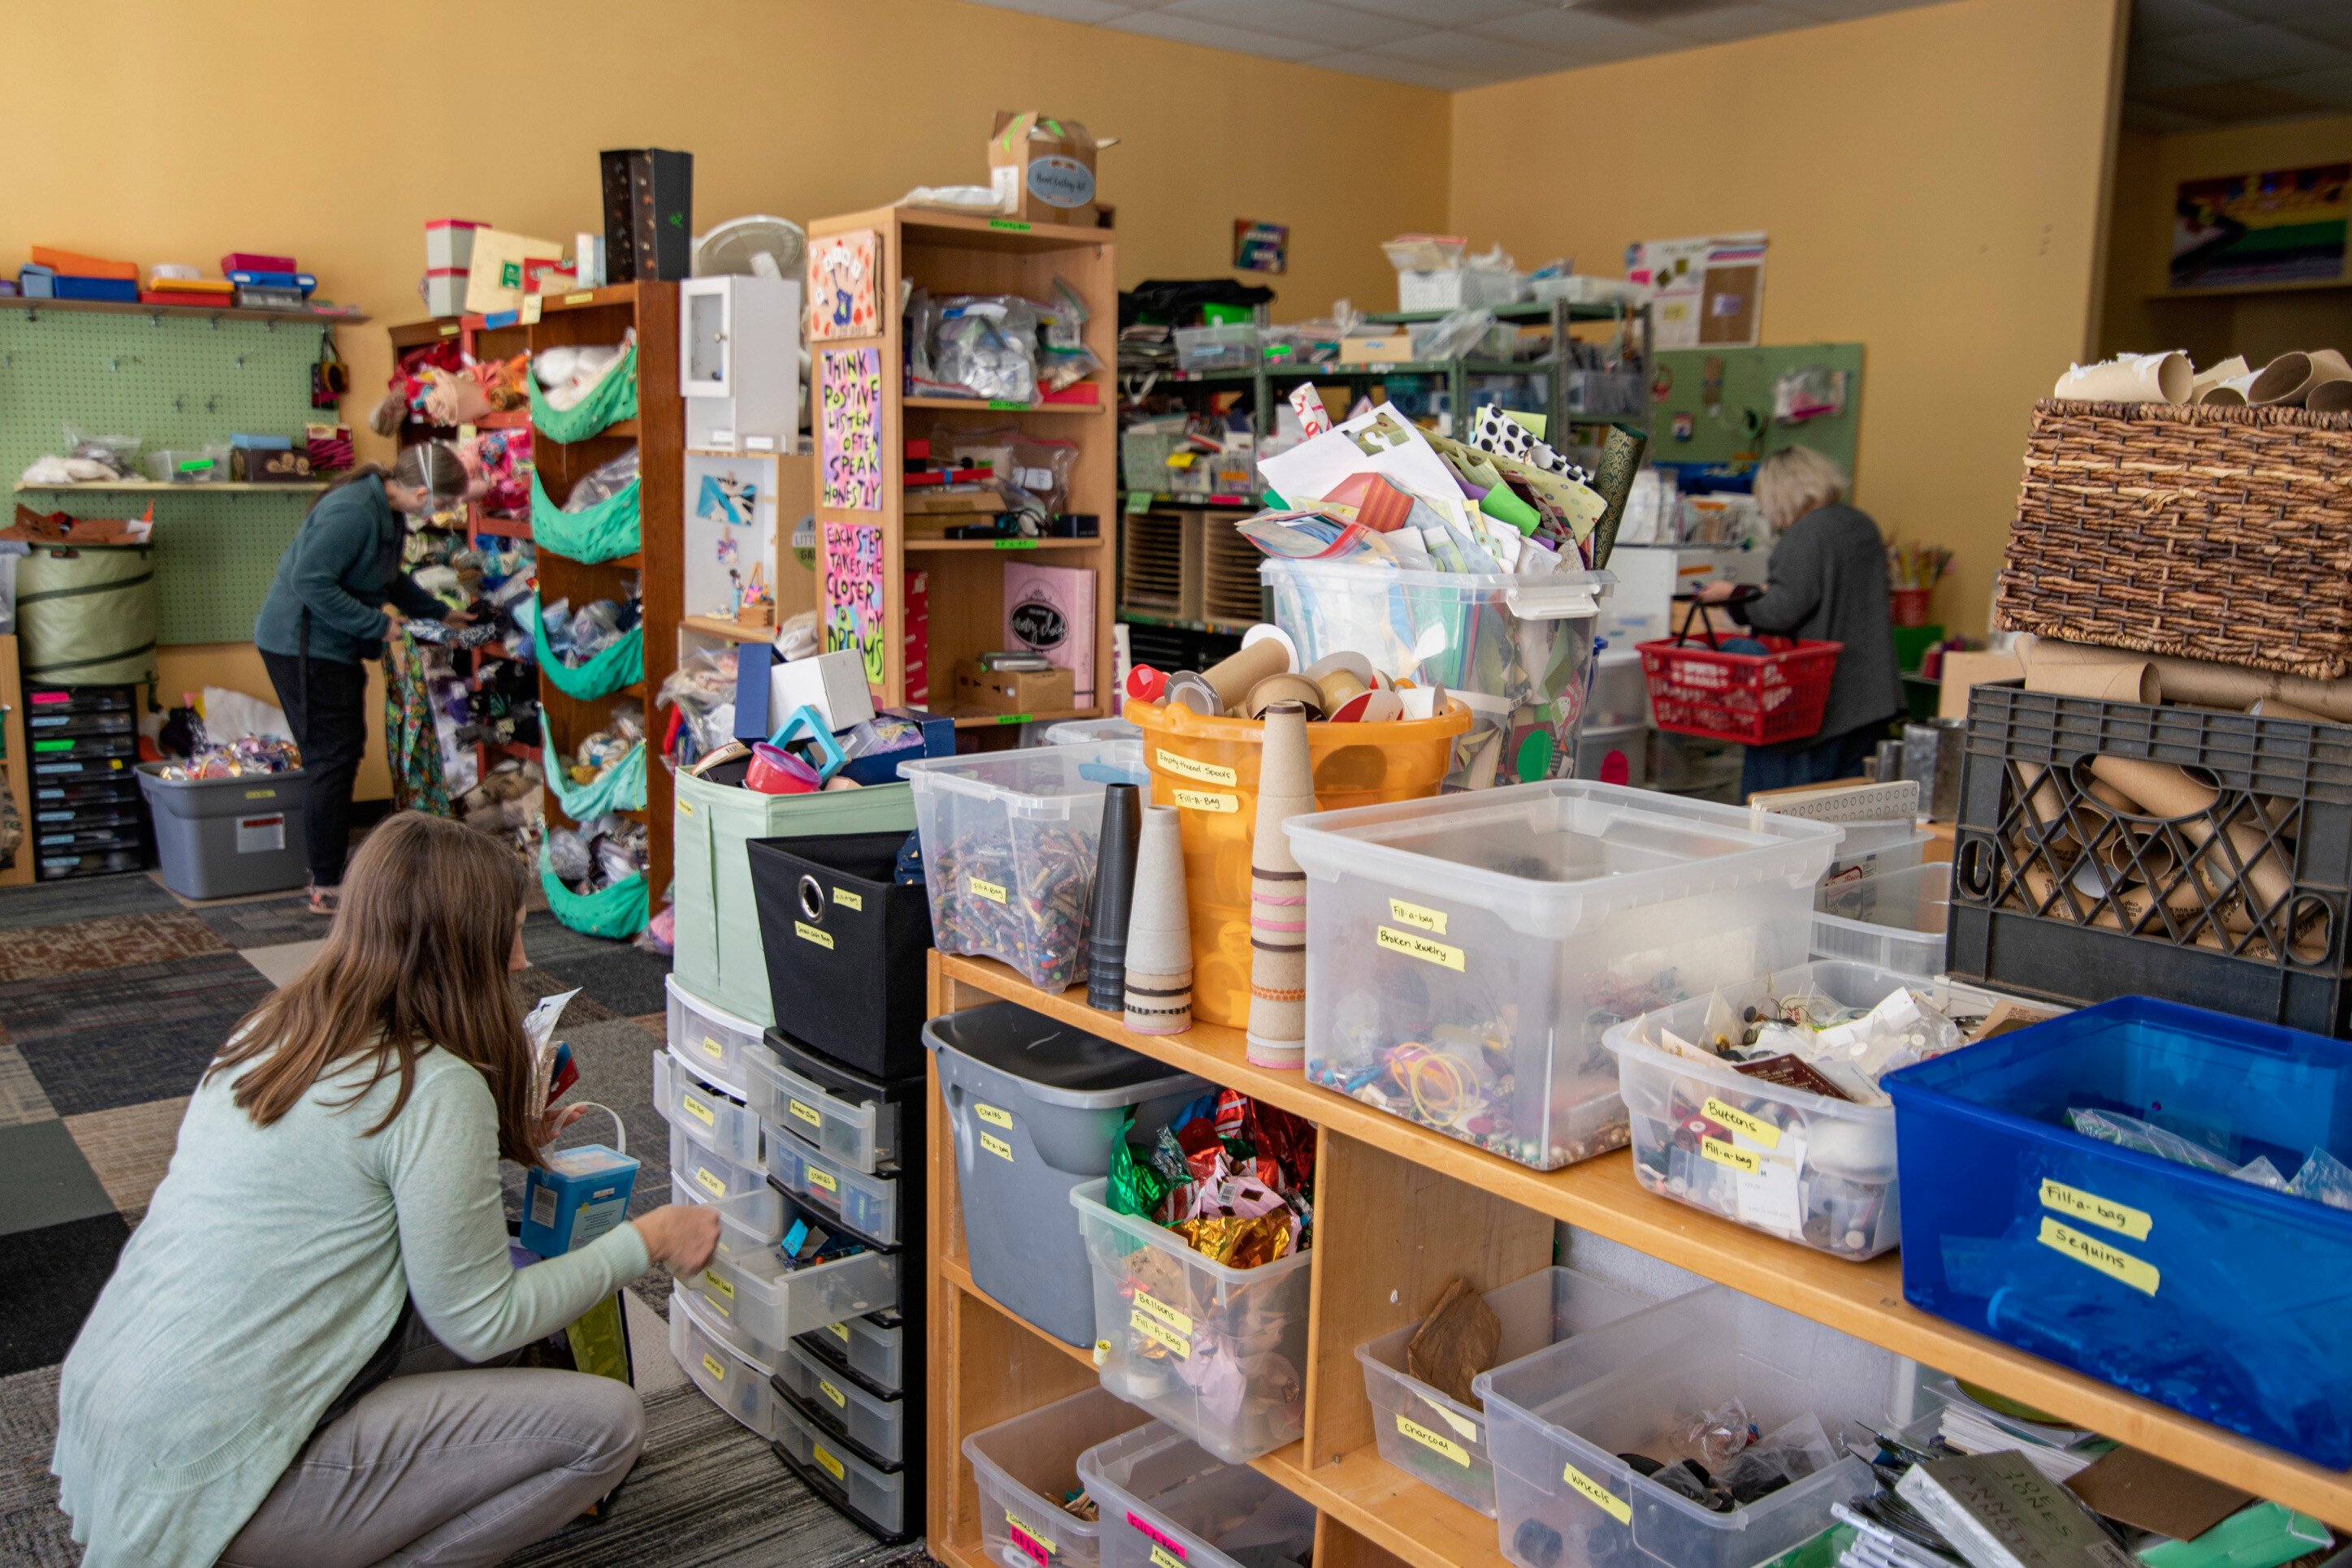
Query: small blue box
[(2221, 1298), (249, 443), (582, 1194), (121, 289), (38, 282), (244, 279)]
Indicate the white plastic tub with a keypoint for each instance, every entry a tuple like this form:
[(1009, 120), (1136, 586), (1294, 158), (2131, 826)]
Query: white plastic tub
[(710, 1116), (1895, 920), (735, 1382), (1025, 1466), (1465, 955), (1164, 1499), (708, 1037)]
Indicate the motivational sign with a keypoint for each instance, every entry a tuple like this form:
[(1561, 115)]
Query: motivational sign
[(850, 423), (853, 593)]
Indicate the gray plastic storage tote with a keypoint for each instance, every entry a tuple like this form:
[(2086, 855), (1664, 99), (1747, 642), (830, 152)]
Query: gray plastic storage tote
[(220, 838)]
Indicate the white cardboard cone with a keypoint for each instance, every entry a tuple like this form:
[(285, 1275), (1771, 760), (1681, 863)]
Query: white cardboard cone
[(1276, 1036), (1159, 931)]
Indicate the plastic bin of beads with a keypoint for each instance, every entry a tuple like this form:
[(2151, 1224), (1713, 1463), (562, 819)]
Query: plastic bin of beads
[(708, 1035), (868, 1204), (874, 1352), (1558, 1419), (735, 1382), (1440, 1441), (1776, 1158), (1164, 1499), (1026, 1467), (875, 1425), (1465, 955), (1009, 849), (710, 1116), (1895, 920), (1218, 1353)]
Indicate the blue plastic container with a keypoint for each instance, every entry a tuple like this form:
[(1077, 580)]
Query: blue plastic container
[(2223, 1300)]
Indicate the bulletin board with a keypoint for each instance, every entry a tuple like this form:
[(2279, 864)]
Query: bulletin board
[(1748, 375)]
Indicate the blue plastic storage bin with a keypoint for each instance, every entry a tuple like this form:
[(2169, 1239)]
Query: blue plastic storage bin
[(2221, 1298)]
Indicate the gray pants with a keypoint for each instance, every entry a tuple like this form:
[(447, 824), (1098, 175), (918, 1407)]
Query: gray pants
[(448, 1464)]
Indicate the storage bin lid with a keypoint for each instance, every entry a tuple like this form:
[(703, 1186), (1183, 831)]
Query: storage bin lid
[(1035, 781), (1058, 1064), (1554, 597), (834, 1077)]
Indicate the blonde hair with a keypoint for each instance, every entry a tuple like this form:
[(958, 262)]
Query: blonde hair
[(1796, 480)]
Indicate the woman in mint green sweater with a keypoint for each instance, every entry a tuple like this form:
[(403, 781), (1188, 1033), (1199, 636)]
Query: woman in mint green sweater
[(287, 1368)]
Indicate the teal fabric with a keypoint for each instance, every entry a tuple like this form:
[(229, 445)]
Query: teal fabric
[(620, 786), (605, 531), (622, 664), (612, 400), (617, 912)]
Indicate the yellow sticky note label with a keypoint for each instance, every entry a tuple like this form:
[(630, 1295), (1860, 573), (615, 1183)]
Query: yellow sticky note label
[(1157, 1333), (581, 297), (713, 1048), (994, 1115), (991, 890), (686, 808), (719, 1283), (1422, 948), (1416, 1432), (709, 1183), (840, 1400), (449, 328), (698, 1111), (711, 1365), (528, 314), (804, 1113), (1200, 772), (1207, 801), (261, 794), (996, 1145), (2105, 1213), (831, 1465), (1163, 1558), (1022, 1532), (848, 899), (1599, 1495), (807, 932), (838, 1331), (1152, 1306), (1430, 920), (1745, 1161), (1740, 1122), (2091, 1252), (824, 1181)]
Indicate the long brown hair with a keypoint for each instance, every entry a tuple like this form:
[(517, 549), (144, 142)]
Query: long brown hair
[(417, 957)]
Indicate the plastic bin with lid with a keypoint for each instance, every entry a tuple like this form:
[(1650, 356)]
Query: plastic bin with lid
[(2208, 1292), (704, 1113), (221, 838), (1025, 1466), (851, 1120), (1558, 1419), (770, 1302), (708, 1035), (1033, 1106), (1009, 849), (1162, 1498), (1825, 1170), (1513, 649), (1089, 731), (1435, 1438), (1218, 1353), (1895, 920), (842, 934), (841, 1404), (735, 1382), (868, 1349), (1465, 955), (875, 1496), (869, 1205), (1228, 347)]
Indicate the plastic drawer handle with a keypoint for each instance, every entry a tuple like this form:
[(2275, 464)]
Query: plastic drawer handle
[(1551, 605)]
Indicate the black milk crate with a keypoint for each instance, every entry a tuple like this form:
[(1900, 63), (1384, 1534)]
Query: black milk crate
[(2240, 900)]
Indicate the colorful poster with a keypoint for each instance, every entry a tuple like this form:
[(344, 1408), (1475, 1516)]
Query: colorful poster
[(842, 286), (1261, 247), (1703, 292), (850, 417), (853, 593), (2246, 231)]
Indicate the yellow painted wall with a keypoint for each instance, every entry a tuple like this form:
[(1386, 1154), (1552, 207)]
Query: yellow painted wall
[(1932, 182), (189, 667)]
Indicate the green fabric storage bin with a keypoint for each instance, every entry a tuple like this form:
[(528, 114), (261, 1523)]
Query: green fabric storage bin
[(85, 614), (616, 913), (718, 953), (607, 530), (622, 787), (613, 400), (600, 674)]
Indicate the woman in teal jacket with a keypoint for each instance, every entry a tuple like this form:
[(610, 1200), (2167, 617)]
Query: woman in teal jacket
[(324, 617)]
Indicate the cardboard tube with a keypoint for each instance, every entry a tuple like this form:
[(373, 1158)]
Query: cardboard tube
[(2169, 791), (2279, 707), (2229, 395), (2330, 397), (2130, 377), (2133, 905), (2212, 376), (1230, 678), (2076, 670), (2195, 682), (2288, 380)]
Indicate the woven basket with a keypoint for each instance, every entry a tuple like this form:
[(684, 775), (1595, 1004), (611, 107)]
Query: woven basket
[(2207, 533)]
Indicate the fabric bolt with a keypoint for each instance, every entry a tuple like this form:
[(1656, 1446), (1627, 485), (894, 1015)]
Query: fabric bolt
[(328, 716), (1828, 583), (412, 737)]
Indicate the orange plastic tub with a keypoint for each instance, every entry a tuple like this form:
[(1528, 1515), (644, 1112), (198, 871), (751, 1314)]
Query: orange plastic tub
[(1207, 768)]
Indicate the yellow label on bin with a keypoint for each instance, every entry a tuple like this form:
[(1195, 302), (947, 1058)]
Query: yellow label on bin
[(1432, 1442), (1163, 1558), (1201, 772), (848, 899), (1422, 948), (2105, 1213), (1151, 1328), (686, 808), (710, 1364), (995, 1116), (838, 1331), (1755, 1127), (1207, 801), (807, 932), (583, 297), (824, 1181), (996, 1145), (1745, 1161), (1430, 920), (261, 794), (709, 1183), (991, 890), (1153, 1307), (713, 1048), (804, 1113), (2089, 1252), (1599, 1495), (1022, 1532), (831, 1466), (698, 1111), (840, 1399), (719, 1283)]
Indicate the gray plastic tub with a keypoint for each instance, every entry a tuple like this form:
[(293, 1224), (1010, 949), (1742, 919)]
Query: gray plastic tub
[(219, 838), (1033, 1107)]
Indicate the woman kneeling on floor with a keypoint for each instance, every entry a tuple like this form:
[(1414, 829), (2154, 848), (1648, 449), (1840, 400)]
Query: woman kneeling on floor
[(297, 1359)]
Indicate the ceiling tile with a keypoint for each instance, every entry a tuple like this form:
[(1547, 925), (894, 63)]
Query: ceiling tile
[(2172, 18), (1492, 59), (1437, 14), (1586, 40), (1067, 10), (2251, 50), (1416, 73), (1310, 21), (1722, 23), (1210, 35), (2332, 86)]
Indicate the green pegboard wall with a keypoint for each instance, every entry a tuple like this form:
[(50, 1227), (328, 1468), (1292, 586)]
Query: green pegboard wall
[(174, 381), (1748, 378)]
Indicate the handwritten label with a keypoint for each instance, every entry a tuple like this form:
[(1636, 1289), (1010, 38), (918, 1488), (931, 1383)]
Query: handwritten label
[(1428, 1440), (1016, 544), (848, 899), (1745, 1161), (2102, 1212), (584, 297), (807, 932), (1599, 1495), (698, 1111), (719, 1283), (710, 1364), (1152, 1533), (709, 1183), (449, 328), (1430, 920), (528, 314), (2091, 1252), (996, 1145), (838, 1331), (1011, 225), (824, 1181), (995, 1116), (713, 1048), (831, 1466), (1012, 719), (1039, 1548), (1207, 801), (1161, 1558), (1006, 402), (1422, 948), (1178, 1345), (1740, 1122), (979, 888), (803, 1112), (1152, 1306), (261, 794), (1200, 772), (840, 1400)]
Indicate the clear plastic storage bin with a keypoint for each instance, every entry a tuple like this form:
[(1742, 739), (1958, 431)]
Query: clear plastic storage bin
[(749, 1287), (1442, 1442), (1009, 849), (1025, 1466), (1617, 755), (1620, 695), (1227, 348), (1163, 1499), (1895, 920), (705, 1177), (865, 1204), (1218, 1353), (872, 1423), (874, 1495), (1091, 731), (1876, 848), (708, 1116), (873, 1352), (735, 1382), (1465, 955), (709, 1037), (1558, 1419), (857, 1136)]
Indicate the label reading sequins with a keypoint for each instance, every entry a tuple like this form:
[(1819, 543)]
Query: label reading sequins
[(698, 1111), (996, 1145), (1599, 1495), (840, 1400), (2092, 1253), (1422, 948), (709, 1183), (804, 1113), (824, 1181), (1740, 1122), (1744, 1161), (838, 1331), (807, 932), (1207, 801), (995, 1116), (848, 899), (710, 1364), (831, 1466), (991, 890), (1200, 772), (1428, 1440), (1430, 920), (2105, 1213)]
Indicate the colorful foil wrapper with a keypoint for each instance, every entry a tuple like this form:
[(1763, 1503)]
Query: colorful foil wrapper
[(1237, 1242)]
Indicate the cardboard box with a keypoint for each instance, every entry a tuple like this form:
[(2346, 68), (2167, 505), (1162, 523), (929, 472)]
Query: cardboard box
[(1382, 349), (981, 690), (500, 267), (1050, 610), (834, 684), (283, 466), (1042, 169), (1962, 671)]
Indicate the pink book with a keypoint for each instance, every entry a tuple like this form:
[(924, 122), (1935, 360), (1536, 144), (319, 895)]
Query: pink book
[(1050, 610)]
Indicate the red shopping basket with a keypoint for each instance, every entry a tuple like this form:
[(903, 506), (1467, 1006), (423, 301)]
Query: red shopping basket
[(1752, 699)]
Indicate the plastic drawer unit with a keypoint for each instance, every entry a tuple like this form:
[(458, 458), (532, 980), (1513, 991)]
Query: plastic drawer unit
[(708, 1037), (841, 1197), (875, 1497), (1164, 1498), (742, 1191), (851, 1120), (1023, 1468), (751, 1289), (875, 1425), (864, 1348), (707, 1115), (736, 1384)]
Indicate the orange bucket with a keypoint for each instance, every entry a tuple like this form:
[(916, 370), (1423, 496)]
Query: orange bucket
[(1207, 768)]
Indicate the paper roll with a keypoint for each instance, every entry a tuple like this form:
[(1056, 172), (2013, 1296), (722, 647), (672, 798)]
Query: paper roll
[(2230, 393), (2169, 791), (1612, 481), (2212, 376), (1276, 1036), (2288, 380), (1279, 688), (2329, 397), (2130, 377), (1230, 678), (2073, 670)]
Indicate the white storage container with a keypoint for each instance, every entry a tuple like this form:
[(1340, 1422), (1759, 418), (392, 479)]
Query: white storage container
[(1457, 286), (766, 1301), (1025, 1466), (1009, 849), (875, 1496), (1219, 1353), (735, 1382), (1620, 695), (743, 1190), (860, 1135), (874, 1352), (1895, 920), (1558, 1419), (865, 1204), (1164, 1501), (870, 1422), (709, 1038), (1618, 755), (1822, 1169), (713, 1119), (1876, 848), (1439, 1440), (443, 289), (1464, 955), (1226, 347), (449, 242), (1086, 731)]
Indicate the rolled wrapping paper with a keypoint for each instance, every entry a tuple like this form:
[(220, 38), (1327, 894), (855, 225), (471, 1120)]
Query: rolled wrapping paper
[(2130, 377), (2288, 380), (1112, 899), (2212, 376), (1276, 1036), (1159, 931), (1612, 481), (2191, 681), (2165, 790), (1232, 679)]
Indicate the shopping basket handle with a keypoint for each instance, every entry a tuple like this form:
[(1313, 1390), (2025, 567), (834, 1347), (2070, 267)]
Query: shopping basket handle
[(1697, 615)]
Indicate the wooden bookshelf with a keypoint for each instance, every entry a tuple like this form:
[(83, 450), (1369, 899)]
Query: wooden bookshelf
[(1400, 1210)]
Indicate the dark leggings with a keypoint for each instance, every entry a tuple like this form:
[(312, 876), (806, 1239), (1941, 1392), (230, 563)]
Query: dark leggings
[(328, 716)]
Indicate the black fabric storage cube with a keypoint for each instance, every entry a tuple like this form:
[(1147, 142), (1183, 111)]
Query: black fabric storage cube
[(845, 947)]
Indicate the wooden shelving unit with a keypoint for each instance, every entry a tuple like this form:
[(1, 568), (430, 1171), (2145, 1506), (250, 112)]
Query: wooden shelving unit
[(948, 253), (1399, 1211)]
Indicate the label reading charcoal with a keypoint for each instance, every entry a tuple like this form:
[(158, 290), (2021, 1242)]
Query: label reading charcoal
[(1428, 1440), (840, 1400), (994, 1116), (2105, 1213), (1422, 948)]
